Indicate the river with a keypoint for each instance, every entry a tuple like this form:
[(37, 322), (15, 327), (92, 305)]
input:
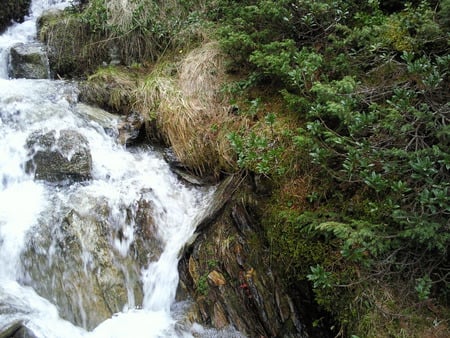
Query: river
[(34, 213)]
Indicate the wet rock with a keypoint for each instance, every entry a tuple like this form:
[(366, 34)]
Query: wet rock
[(89, 262), (28, 61), (243, 291), (59, 156), (16, 329), (131, 128), (100, 117), (183, 172), (146, 246)]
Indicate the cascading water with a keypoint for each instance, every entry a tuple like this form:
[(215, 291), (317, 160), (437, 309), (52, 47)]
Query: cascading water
[(41, 222)]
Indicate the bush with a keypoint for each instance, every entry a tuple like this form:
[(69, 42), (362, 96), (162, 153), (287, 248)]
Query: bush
[(13, 10), (371, 88)]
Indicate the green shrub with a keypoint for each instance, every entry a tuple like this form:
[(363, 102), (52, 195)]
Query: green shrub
[(371, 87)]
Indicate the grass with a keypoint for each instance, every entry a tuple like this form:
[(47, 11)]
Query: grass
[(186, 102)]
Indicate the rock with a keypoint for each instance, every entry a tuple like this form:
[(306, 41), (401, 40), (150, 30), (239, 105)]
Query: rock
[(131, 128), (220, 318), (28, 61), (13, 10), (99, 250), (146, 246), (222, 195), (16, 329), (59, 156), (99, 116), (183, 172), (244, 292), (216, 278)]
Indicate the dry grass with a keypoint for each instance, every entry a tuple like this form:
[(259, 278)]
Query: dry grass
[(394, 313), (189, 110), (146, 29), (183, 99)]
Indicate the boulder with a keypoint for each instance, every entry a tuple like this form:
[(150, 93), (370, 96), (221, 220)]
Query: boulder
[(59, 156), (28, 61), (13, 10), (89, 260)]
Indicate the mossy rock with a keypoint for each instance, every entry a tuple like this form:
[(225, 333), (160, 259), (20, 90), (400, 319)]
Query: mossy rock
[(73, 50)]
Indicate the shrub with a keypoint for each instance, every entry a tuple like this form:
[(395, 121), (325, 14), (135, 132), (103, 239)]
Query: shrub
[(13, 10)]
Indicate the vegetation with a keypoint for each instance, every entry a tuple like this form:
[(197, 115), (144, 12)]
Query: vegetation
[(370, 92), (344, 105), (13, 10)]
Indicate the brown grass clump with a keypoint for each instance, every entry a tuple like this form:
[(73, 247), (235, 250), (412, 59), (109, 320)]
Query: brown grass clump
[(189, 110)]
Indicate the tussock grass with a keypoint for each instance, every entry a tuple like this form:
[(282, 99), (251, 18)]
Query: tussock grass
[(146, 29), (189, 110)]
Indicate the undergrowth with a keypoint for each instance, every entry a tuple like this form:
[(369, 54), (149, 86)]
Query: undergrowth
[(342, 105)]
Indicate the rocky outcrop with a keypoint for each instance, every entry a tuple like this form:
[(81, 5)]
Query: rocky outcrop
[(13, 10), (28, 61), (59, 156), (229, 276)]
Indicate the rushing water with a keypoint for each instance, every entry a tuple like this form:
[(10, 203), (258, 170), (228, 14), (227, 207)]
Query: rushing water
[(30, 209)]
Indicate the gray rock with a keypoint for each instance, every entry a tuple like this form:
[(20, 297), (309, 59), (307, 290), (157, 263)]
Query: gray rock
[(77, 261), (100, 117), (16, 329), (28, 61), (59, 157)]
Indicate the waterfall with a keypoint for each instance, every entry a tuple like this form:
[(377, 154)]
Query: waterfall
[(43, 286)]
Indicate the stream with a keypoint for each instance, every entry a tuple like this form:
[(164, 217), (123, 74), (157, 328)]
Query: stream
[(72, 259)]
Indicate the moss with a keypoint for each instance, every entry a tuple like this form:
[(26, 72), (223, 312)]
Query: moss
[(111, 88)]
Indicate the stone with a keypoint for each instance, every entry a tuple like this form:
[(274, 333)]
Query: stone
[(98, 116), (216, 278), (88, 247), (220, 318), (183, 172), (244, 291), (59, 156), (16, 329), (28, 61), (131, 128)]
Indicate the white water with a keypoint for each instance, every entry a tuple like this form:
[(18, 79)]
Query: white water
[(119, 176)]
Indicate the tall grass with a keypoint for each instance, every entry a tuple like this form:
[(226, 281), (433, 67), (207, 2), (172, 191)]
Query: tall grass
[(189, 109)]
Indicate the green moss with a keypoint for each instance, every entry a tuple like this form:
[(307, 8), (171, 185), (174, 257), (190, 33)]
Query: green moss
[(202, 285)]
